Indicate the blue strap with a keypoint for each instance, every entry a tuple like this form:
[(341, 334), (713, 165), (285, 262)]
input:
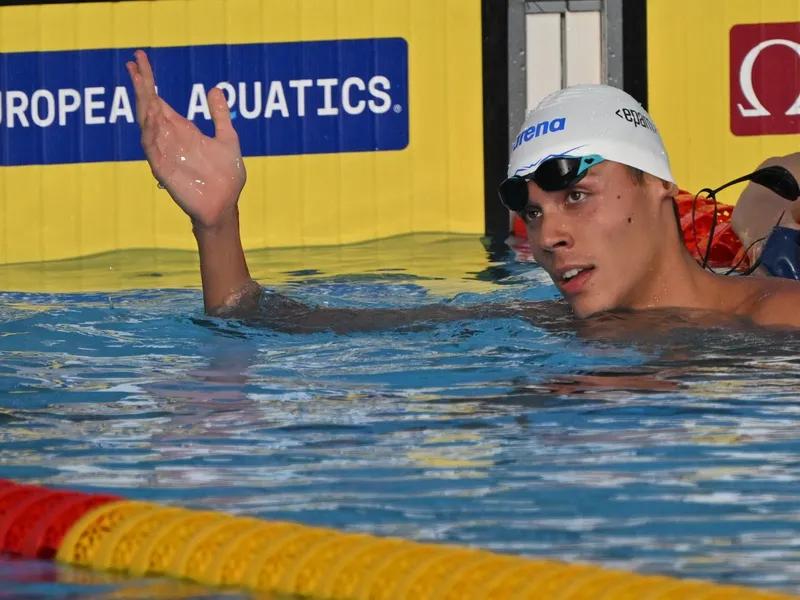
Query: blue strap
[(781, 254)]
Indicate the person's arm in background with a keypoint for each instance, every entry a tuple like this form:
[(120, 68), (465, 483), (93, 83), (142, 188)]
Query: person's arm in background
[(759, 209)]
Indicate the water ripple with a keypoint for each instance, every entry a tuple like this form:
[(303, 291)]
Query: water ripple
[(677, 458)]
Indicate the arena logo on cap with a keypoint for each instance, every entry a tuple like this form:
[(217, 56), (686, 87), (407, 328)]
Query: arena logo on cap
[(286, 98), (636, 118), (542, 128), (765, 79)]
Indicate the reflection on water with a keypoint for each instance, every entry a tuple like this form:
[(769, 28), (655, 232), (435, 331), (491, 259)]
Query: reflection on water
[(673, 453), (33, 580)]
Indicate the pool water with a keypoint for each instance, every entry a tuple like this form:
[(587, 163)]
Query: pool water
[(674, 453)]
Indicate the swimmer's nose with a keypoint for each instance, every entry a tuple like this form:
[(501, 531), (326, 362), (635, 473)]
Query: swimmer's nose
[(553, 233)]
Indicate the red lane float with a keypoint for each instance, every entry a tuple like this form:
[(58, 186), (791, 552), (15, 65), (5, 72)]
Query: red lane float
[(34, 519)]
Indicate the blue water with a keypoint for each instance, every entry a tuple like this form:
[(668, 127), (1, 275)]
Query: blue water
[(673, 453)]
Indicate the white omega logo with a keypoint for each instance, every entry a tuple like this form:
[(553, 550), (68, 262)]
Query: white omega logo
[(746, 80)]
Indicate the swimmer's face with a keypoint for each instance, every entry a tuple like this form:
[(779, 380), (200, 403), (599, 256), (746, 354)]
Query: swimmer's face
[(598, 240)]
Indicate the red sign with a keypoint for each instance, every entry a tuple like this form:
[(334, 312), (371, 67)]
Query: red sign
[(765, 79)]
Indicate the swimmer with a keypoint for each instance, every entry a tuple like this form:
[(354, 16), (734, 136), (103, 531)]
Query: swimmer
[(588, 174)]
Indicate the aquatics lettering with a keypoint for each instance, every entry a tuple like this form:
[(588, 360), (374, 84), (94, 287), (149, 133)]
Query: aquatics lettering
[(285, 98)]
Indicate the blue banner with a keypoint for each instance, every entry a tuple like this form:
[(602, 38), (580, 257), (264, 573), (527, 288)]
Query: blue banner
[(286, 98)]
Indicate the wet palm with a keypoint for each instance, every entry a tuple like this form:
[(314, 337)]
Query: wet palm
[(203, 175)]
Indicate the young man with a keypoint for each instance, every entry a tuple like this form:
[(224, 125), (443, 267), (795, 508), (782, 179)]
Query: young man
[(589, 175)]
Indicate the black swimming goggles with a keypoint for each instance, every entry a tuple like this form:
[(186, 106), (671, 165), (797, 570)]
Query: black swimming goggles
[(557, 173)]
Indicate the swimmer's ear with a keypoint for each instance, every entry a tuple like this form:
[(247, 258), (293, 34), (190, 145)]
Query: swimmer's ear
[(660, 190), (666, 189), (672, 188)]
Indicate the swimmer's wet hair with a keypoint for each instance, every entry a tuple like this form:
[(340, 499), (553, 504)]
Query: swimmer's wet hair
[(636, 174), (638, 178)]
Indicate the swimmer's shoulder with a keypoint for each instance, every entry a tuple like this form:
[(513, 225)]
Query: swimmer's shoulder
[(773, 302)]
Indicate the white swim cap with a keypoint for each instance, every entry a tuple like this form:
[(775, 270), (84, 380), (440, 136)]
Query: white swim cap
[(590, 119)]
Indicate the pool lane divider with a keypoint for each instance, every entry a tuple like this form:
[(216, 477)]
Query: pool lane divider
[(103, 532)]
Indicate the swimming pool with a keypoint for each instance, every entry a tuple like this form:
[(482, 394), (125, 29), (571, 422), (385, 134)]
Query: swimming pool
[(672, 454)]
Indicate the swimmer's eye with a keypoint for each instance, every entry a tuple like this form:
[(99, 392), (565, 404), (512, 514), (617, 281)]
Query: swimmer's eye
[(531, 213), (575, 197)]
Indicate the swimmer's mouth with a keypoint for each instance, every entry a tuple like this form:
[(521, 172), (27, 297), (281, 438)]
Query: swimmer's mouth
[(567, 274)]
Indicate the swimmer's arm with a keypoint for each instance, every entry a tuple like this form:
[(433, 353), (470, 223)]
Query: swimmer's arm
[(282, 313), (228, 288), (230, 292)]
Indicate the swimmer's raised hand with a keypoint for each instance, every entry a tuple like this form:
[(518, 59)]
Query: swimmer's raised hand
[(203, 175)]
